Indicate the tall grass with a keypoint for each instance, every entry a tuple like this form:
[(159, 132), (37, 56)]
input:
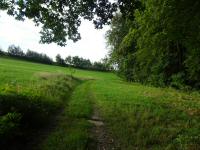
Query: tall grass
[(26, 108)]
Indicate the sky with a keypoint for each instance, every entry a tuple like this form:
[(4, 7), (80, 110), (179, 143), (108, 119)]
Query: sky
[(26, 35)]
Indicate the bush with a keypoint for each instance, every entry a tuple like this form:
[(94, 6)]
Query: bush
[(9, 125), (157, 80), (177, 80), (35, 109), (28, 109)]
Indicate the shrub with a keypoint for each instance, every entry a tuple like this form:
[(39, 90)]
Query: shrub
[(177, 80), (35, 109), (9, 125), (28, 109)]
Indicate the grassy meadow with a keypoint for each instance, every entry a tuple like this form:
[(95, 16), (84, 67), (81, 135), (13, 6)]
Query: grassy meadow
[(35, 97)]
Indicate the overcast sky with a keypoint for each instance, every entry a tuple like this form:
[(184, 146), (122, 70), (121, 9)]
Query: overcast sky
[(24, 34)]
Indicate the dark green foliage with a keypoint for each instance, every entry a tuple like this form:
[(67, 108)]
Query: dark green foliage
[(37, 57), (9, 125), (68, 60), (122, 44), (79, 62), (99, 66), (160, 45), (59, 60), (2, 52), (193, 68), (15, 51)]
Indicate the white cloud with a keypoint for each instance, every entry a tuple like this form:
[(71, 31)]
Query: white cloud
[(25, 34)]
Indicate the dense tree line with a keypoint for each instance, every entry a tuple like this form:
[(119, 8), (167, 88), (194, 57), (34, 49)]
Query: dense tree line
[(79, 62), (158, 44), (17, 52), (37, 57), (76, 62)]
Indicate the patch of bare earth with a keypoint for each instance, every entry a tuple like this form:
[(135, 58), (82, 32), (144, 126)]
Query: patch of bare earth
[(100, 139)]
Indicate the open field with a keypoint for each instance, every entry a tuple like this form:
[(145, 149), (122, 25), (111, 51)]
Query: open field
[(22, 73), (133, 116)]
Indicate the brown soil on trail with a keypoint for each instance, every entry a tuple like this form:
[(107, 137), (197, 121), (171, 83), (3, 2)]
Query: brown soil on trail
[(100, 139)]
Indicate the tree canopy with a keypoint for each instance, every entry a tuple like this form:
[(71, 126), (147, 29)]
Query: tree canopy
[(160, 45), (60, 19)]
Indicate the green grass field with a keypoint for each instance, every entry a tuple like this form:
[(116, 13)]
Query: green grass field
[(135, 116)]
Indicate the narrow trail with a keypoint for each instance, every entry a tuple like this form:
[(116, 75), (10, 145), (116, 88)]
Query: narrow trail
[(99, 138)]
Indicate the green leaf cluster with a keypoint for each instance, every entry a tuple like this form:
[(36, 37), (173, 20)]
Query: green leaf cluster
[(160, 44)]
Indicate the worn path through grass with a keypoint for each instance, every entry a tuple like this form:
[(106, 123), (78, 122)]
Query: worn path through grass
[(100, 137), (80, 125)]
